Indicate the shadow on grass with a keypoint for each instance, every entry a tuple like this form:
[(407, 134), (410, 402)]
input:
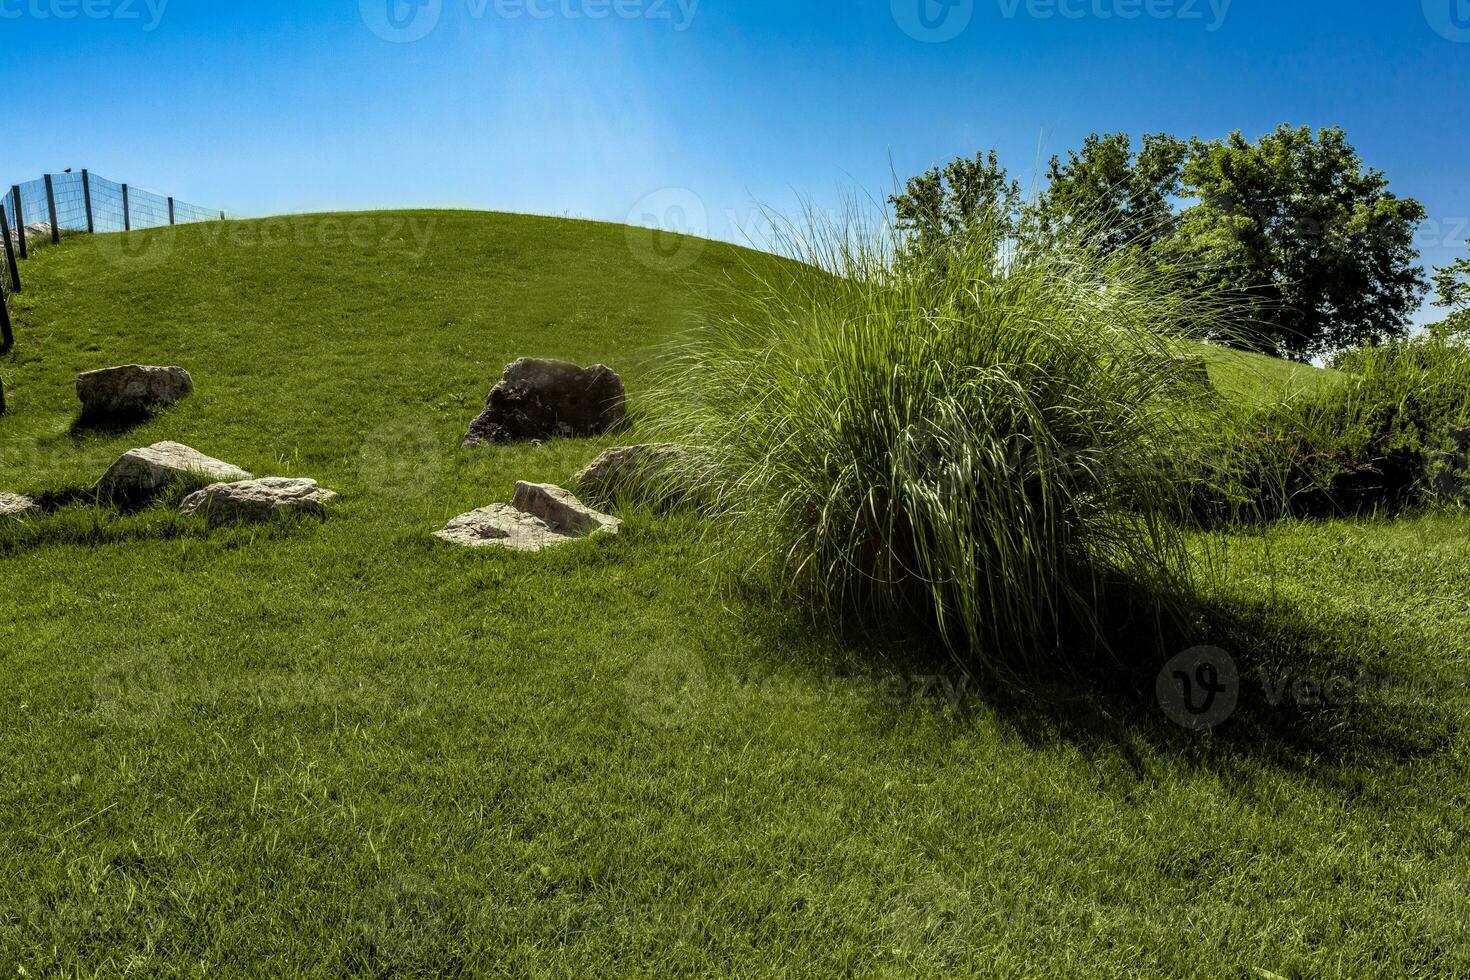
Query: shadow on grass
[(87, 424), (1301, 695)]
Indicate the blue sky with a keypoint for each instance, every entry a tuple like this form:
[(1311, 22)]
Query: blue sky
[(700, 109)]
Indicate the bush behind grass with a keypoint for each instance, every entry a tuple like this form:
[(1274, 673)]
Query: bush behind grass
[(1390, 433), (982, 439)]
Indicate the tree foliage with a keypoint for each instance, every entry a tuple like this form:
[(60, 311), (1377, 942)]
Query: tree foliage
[(1294, 222)]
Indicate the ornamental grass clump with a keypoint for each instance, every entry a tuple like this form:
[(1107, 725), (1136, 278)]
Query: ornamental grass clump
[(985, 439)]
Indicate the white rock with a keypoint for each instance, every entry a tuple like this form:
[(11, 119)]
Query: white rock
[(258, 500), (15, 505), (560, 510), (542, 516), (144, 472)]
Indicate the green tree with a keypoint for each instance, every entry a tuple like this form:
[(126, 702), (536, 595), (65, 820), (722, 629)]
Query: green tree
[(1452, 287), (1295, 221), (941, 206), (1124, 199)]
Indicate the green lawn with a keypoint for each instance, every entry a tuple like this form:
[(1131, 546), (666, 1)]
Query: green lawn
[(321, 749)]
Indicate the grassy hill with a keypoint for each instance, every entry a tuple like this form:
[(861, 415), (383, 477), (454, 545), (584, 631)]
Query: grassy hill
[(319, 749)]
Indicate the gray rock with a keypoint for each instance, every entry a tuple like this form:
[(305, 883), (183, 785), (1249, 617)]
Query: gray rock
[(258, 500), (132, 389), (560, 510), (16, 505), (538, 399), (542, 517), (141, 473), (627, 470)]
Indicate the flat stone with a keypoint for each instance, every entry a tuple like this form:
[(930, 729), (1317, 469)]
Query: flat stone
[(626, 470), (540, 399), (541, 517), (16, 505), (142, 473), (561, 510), (132, 389), (258, 500)]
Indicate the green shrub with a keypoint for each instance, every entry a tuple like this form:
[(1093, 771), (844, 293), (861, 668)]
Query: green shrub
[(1391, 432), (985, 440)]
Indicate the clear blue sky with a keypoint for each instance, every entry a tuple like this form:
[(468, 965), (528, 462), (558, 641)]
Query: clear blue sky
[(586, 107)]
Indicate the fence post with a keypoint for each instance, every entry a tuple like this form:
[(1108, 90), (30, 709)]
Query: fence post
[(51, 207), (87, 199), (127, 218), (170, 210), (20, 221), (10, 253), (7, 339)]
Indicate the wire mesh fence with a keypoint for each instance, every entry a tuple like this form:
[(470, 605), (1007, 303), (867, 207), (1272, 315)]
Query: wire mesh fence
[(54, 204)]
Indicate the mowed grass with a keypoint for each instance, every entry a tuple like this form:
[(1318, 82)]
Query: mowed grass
[(329, 748)]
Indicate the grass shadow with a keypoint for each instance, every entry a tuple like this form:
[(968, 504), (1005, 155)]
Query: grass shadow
[(1301, 696), (90, 424)]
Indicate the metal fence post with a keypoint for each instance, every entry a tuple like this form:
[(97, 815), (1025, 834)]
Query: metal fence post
[(170, 210), (10, 253), (7, 338), (20, 221), (51, 207), (87, 199), (127, 218)]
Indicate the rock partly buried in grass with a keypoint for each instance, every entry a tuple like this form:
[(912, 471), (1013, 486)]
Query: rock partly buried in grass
[(14, 505), (538, 399), (142, 473), (628, 471), (258, 500), (541, 517), (130, 390)]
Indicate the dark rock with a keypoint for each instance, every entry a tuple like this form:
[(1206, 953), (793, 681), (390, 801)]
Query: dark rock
[(538, 399)]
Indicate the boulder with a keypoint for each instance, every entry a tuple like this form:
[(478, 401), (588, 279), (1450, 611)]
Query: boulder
[(258, 500), (559, 509), (133, 389), (538, 399), (141, 473), (541, 517), (626, 469), (15, 505)]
